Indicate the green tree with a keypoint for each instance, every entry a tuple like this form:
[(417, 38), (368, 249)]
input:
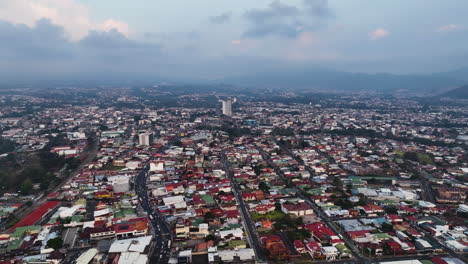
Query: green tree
[(26, 186), (299, 221), (6, 145), (277, 206), (209, 215), (263, 186), (210, 237), (386, 227), (55, 243)]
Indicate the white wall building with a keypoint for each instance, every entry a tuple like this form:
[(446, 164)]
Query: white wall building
[(145, 139)]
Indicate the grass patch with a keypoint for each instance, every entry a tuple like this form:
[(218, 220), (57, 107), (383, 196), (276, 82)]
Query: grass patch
[(421, 158), (272, 216), (111, 167)]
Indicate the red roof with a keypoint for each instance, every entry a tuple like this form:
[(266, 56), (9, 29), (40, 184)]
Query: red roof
[(393, 244), (53, 195), (217, 212), (314, 246), (37, 214), (438, 260), (232, 214), (393, 217), (358, 233), (298, 244), (123, 228), (336, 241), (296, 207)]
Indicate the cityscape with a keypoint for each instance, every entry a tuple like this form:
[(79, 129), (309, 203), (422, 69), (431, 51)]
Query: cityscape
[(233, 132), (344, 180)]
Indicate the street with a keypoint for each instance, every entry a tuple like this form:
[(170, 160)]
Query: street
[(253, 238), (317, 210), (162, 237)]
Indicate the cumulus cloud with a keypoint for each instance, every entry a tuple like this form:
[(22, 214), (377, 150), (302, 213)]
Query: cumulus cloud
[(221, 19), (378, 34), (46, 43), (69, 14), (449, 28), (286, 20), (42, 42)]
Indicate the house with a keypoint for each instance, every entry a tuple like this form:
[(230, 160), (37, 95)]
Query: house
[(297, 209), (267, 223), (314, 248), (394, 219), (249, 196), (102, 233), (265, 208), (276, 248), (394, 247), (330, 253), (233, 234), (300, 247), (232, 215)]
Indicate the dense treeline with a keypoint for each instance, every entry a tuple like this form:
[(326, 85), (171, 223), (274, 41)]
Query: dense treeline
[(6, 145), (20, 171)]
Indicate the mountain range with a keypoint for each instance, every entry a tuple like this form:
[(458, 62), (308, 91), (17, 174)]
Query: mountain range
[(458, 93), (331, 80)]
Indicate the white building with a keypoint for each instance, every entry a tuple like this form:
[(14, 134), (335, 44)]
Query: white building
[(234, 233), (157, 166), (145, 139), (227, 106), (120, 183), (330, 252), (173, 200)]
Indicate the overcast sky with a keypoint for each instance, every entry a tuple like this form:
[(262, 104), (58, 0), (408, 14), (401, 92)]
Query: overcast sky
[(210, 39)]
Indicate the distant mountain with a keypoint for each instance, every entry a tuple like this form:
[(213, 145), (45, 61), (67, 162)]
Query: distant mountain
[(460, 74), (319, 79), (459, 93)]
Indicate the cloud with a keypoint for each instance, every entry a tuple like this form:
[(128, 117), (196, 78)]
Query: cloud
[(221, 19), (112, 24), (317, 7), (46, 44), (69, 14), (286, 20), (45, 41), (378, 34), (449, 28)]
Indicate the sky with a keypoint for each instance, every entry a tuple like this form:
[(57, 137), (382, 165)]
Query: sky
[(213, 39)]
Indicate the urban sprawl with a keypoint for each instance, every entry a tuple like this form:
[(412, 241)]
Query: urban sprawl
[(124, 177)]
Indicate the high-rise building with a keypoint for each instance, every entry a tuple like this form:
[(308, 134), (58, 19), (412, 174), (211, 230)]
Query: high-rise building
[(227, 106), (145, 139)]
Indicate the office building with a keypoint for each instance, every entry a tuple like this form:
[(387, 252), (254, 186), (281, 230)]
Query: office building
[(145, 139), (227, 106)]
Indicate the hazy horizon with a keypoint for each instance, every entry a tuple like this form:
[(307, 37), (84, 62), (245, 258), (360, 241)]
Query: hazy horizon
[(210, 40)]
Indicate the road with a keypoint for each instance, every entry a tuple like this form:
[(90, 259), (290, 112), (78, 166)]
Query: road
[(426, 190), (355, 251), (162, 237), (252, 234)]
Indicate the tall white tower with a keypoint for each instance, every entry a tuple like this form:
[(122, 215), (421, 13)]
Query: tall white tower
[(145, 139), (227, 106)]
